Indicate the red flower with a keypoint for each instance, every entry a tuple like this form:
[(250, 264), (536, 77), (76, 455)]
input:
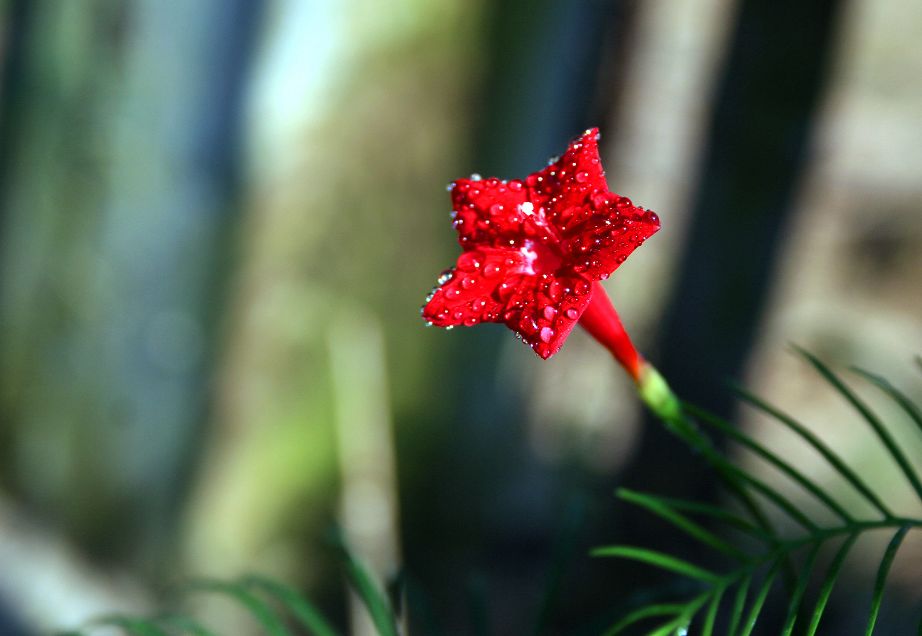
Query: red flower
[(534, 250)]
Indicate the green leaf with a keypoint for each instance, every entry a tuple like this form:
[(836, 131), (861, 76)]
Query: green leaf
[(831, 457), (735, 434), (739, 602), (658, 559), (882, 573), (714, 512), (797, 594), (759, 601), (831, 575), (910, 407), (659, 508), (379, 609), (648, 611), (305, 612), (263, 614), (870, 418), (708, 628)]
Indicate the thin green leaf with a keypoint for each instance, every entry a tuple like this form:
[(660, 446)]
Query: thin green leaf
[(870, 417), (759, 601), (770, 493), (714, 512), (881, 580), (680, 624), (733, 433), (658, 559), (660, 509), (261, 611), (831, 457), (911, 408), (379, 609), (709, 619), (648, 611), (137, 626), (739, 602), (305, 612), (797, 594), (831, 575), (184, 623)]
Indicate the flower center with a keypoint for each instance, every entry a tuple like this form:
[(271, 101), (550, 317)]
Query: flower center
[(540, 259)]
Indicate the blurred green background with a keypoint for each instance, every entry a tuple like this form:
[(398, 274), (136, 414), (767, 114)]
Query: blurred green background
[(219, 219)]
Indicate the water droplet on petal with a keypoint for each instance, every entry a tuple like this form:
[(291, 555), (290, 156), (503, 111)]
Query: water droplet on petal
[(450, 186), (496, 208), (468, 282), (527, 208), (515, 185), (476, 177), (445, 276), (571, 313), (651, 217), (470, 321), (549, 312), (555, 290), (546, 334), (582, 176), (491, 270)]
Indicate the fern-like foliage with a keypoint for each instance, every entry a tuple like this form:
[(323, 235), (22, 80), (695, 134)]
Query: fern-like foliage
[(738, 595), (278, 609)]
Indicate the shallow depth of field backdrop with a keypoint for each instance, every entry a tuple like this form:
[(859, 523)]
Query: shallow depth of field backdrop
[(219, 219)]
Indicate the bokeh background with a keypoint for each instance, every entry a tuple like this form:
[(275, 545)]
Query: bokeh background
[(219, 219)]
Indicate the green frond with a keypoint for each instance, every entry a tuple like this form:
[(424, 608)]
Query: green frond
[(303, 611), (261, 611), (829, 581), (828, 454), (658, 559), (377, 604), (777, 553), (738, 436), (882, 573), (662, 510), (871, 418)]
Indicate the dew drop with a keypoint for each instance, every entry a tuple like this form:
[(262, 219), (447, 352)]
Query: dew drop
[(467, 283), (546, 334), (515, 185), (496, 208), (470, 321), (450, 186), (428, 323), (554, 290), (527, 208), (582, 176), (549, 312), (444, 277), (476, 177), (491, 270), (458, 315), (651, 217), (604, 276), (571, 313)]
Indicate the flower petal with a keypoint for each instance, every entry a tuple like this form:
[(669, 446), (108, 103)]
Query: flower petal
[(600, 235), (494, 213), (544, 309), (475, 290), (570, 180)]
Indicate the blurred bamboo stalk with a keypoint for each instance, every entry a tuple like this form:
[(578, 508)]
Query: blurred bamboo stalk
[(368, 505)]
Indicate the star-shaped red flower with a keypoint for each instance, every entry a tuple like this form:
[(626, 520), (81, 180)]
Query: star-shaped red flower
[(534, 249)]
